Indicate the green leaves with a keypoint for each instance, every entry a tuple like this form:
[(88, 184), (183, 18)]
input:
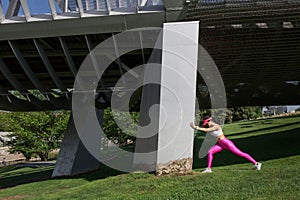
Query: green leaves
[(231, 114), (35, 132), (116, 133)]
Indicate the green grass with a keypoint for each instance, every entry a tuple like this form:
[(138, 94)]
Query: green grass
[(14, 175), (274, 142)]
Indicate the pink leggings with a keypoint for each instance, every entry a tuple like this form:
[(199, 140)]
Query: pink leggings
[(229, 145)]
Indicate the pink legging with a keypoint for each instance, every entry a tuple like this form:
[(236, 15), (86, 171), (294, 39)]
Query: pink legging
[(229, 145)]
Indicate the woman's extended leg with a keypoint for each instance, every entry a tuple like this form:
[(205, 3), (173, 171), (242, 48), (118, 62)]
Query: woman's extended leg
[(228, 144)]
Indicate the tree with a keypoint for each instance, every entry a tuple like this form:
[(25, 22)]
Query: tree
[(230, 114), (114, 132), (246, 113), (36, 132)]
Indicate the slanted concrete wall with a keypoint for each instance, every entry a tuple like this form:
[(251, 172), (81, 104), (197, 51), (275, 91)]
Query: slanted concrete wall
[(146, 141), (73, 157)]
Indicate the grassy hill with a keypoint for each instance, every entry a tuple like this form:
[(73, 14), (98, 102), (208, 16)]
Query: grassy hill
[(274, 142)]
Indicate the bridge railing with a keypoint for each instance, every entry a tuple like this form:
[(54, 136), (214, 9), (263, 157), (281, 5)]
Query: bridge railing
[(88, 5), (215, 2), (29, 10)]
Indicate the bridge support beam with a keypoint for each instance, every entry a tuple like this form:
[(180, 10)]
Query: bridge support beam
[(177, 97), (73, 157), (168, 109)]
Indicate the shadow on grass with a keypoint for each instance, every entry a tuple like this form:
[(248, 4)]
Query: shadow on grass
[(10, 176), (247, 123), (264, 129), (261, 148), (266, 120), (246, 126), (13, 175), (103, 172)]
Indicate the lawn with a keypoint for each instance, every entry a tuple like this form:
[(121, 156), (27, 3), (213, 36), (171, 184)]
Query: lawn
[(274, 142)]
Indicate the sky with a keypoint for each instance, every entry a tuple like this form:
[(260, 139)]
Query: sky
[(293, 107), (35, 6)]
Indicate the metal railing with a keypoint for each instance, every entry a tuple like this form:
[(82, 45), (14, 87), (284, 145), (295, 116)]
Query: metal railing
[(25, 10)]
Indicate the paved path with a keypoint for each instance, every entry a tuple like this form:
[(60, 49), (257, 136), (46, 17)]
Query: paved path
[(37, 164)]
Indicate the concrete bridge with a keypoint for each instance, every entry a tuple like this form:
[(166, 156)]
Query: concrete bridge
[(255, 45)]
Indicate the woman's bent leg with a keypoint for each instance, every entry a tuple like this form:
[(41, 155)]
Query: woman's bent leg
[(214, 149)]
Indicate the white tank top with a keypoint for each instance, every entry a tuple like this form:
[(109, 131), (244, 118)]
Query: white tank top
[(216, 133)]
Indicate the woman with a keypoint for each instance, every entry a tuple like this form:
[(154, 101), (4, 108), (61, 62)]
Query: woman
[(215, 130)]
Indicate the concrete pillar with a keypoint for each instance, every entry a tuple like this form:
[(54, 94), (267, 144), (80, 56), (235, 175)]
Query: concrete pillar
[(177, 97), (73, 157), (169, 107)]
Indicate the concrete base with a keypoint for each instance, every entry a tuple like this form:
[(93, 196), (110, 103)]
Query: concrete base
[(181, 166)]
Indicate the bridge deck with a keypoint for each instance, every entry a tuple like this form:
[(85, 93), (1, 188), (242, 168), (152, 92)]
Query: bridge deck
[(255, 44)]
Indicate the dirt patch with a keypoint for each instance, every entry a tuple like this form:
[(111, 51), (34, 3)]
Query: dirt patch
[(15, 197), (4, 153)]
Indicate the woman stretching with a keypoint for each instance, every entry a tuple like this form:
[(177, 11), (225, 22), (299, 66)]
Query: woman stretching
[(215, 130)]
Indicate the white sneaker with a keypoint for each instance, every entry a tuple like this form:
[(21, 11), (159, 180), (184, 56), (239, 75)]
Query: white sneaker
[(207, 171), (257, 166)]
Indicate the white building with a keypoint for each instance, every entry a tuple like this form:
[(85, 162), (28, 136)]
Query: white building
[(275, 110), (3, 137)]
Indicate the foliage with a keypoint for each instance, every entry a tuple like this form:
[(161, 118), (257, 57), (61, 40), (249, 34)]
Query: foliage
[(35, 132), (116, 133), (4, 125), (245, 113), (231, 114)]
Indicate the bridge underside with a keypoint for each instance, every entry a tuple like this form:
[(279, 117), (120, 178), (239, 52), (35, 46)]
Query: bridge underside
[(255, 45)]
